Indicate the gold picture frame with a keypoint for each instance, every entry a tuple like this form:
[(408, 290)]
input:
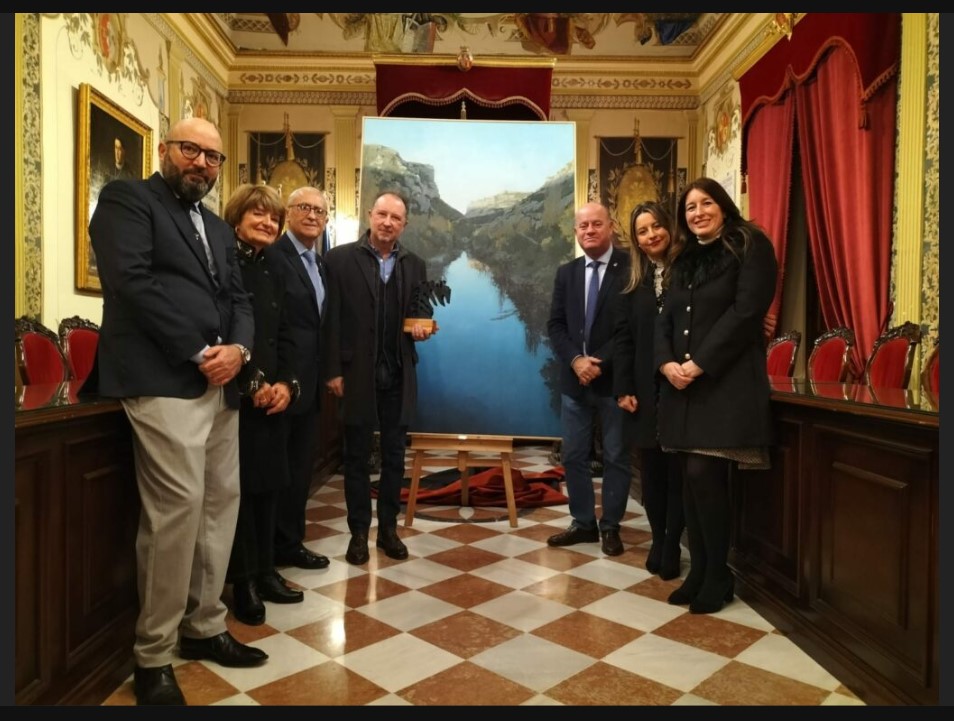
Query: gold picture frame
[(110, 144)]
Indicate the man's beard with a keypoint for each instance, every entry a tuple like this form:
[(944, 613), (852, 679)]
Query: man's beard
[(191, 187)]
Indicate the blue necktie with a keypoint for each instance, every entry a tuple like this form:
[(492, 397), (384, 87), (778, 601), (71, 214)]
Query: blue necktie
[(592, 293), (311, 263)]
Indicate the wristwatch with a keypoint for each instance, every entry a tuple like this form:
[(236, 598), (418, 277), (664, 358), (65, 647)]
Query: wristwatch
[(246, 353)]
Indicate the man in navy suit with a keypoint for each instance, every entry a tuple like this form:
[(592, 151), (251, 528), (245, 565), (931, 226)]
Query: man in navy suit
[(299, 245), (176, 328), (581, 326)]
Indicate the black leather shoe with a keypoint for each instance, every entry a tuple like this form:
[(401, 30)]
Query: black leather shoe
[(157, 687), (612, 545), (272, 587), (391, 544), (247, 605), (574, 534), (301, 557), (357, 554), (223, 649)]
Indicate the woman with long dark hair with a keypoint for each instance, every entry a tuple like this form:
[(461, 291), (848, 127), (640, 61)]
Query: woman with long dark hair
[(636, 381), (714, 410)]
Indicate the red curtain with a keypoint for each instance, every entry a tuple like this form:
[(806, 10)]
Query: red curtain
[(849, 175), (835, 80), (771, 133), (506, 93)]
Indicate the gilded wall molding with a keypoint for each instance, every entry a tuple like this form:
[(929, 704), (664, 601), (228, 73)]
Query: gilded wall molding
[(299, 97), (29, 280), (625, 102), (162, 26)]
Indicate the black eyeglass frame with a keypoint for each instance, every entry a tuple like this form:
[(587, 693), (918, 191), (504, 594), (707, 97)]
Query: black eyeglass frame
[(210, 154)]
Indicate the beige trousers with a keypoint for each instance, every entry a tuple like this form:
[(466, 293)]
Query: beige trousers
[(187, 469)]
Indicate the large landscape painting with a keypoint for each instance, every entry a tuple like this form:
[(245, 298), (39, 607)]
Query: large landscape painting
[(491, 211)]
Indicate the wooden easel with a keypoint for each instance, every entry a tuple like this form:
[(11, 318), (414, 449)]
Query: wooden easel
[(464, 445)]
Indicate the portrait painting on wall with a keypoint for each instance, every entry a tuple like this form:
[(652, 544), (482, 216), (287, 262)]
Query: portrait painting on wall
[(491, 208), (286, 160), (111, 144)]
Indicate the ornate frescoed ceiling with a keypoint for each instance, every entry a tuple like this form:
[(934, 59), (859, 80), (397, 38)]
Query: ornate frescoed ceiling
[(619, 36)]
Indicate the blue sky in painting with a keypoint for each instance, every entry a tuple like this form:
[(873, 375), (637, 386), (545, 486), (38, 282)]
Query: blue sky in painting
[(475, 159)]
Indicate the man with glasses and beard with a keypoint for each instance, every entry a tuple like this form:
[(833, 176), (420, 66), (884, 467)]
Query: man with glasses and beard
[(177, 327)]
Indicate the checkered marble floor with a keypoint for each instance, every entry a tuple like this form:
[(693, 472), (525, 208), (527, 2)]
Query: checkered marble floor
[(485, 614)]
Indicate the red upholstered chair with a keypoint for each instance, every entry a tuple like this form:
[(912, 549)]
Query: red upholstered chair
[(892, 356), (781, 352), (38, 352), (931, 370), (828, 362), (78, 340)]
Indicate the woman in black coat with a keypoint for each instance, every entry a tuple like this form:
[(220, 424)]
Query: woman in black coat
[(714, 409), (268, 383), (636, 382)]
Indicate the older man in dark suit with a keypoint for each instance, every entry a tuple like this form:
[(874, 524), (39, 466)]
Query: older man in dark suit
[(581, 328), (307, 218), (176, 328)]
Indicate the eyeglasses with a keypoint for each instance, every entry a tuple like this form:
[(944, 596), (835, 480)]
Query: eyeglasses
[(213, 158), (307, 208)]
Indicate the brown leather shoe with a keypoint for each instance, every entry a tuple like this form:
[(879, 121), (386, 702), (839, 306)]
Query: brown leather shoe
[(573, 535), (157, 687)]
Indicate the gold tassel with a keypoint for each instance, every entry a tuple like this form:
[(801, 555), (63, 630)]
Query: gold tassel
[(745, 184), (863, 121)]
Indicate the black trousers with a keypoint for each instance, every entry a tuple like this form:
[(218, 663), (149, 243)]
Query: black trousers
[(290, 513), (357, 473), (253, 551)]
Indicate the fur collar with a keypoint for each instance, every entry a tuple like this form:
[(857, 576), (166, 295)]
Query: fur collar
[(699, 264)]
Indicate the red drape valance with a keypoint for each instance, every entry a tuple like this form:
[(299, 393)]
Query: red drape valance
[(871, 39), (525, 90)]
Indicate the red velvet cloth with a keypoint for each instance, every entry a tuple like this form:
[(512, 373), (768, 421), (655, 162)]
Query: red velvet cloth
[(43, 361), (848, 175), (872, 41), (780, 357), (826, 364), (486, 488), (80, 347), (430, 89)]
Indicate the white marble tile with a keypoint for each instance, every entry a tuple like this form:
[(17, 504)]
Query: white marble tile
[(779, 655), (633, 610), (397, 662), (610, 573), (513, 573), (533, 662), (417, 573), (674, 664), (837, 699), (286, 655), (692, 700), (541, 700), (427, 544), (409, 610), (522, 610), (315, 607), (239, 699)]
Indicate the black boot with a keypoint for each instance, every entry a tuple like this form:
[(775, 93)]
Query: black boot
[(710, 492), (652, 472), (697, 549), (247, 606), (675, 524)]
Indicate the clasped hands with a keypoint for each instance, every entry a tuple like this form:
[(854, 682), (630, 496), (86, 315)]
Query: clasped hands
[(274, 397), (419, 331), (221, 363), (681, 374), (587, 368)]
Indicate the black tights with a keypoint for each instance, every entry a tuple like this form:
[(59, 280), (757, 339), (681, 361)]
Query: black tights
[(708, 517), (662, 496)]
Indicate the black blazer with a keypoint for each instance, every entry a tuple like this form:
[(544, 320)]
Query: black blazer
[(304, 318), (161, 304), (713, 314), (567, 317), (634, 370)]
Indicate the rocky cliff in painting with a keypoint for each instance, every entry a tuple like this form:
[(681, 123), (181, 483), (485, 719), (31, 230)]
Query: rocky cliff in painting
[(519, 237)]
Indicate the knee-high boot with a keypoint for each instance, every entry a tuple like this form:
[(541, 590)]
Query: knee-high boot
[(697, 548), (675, 521), (653, 465), (711, 494)]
